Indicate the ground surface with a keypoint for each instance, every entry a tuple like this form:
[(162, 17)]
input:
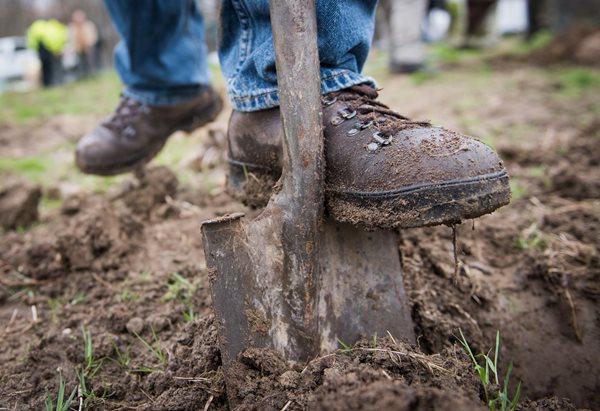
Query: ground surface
[(124, 264)]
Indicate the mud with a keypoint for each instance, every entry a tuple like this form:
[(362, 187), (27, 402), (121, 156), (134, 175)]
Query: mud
[(18, 203), (382, 374), (128, 263)]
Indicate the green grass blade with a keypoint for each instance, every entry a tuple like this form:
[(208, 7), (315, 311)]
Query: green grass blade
[(496, 353), (67, 405), (465, 344), (507, 376), (49, 402), (61, 393), (516, 398), (488, 366), (345, 347)]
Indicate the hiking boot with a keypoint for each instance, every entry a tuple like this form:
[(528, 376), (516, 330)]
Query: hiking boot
[(382, 169), (136, 132)]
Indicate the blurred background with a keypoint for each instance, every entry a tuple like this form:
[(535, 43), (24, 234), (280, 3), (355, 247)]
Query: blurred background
[(82, 38)]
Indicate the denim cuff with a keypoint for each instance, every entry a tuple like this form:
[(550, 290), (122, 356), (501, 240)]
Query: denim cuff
[(261, 99), (164, 97)]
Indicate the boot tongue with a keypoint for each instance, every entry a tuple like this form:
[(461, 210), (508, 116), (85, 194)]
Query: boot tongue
[(365, 89)]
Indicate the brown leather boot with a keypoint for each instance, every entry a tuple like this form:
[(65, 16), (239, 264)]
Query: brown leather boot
[(135, 133), (382, 169)]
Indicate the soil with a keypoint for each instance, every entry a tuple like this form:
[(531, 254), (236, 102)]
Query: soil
[(580, 44), (128, 267), (18, 203)]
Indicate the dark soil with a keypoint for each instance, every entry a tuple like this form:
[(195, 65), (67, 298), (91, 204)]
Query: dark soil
[(128, 267), (18, 203), (580, 44)]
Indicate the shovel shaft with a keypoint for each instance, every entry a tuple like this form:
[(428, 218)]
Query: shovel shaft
[(298, 77)]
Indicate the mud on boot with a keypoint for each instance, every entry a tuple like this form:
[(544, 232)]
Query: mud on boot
[(383, 170)]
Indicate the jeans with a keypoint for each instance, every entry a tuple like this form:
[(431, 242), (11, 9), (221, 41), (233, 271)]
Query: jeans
[(162, 58)]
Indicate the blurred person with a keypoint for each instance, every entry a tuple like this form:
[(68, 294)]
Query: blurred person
[(49, 38), (407, 48), (537, 17), (377, 159), (84, 36), (480, 14), (98, 51), (437, 22)]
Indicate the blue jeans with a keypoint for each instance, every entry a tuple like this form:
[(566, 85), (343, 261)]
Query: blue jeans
[(162, 58)]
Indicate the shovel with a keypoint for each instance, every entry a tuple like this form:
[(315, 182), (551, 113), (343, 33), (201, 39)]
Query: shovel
[(294, 280)]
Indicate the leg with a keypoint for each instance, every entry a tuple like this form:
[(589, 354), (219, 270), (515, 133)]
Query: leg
[(345, 30), (46, 63), (383, 170), (407, 51), (162, 60)]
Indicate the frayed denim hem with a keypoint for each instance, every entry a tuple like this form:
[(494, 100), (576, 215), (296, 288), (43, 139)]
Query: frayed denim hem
[(163, 98), (262, 99)]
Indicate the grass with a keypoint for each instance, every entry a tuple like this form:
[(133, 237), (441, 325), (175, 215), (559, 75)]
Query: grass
[(181, 289), (91, 364), (50, 168), (189, 315), (89, 369), (123, 358), (344, 348), (531, 238), (127, 295), (495, 391), (576, 81), (98, 95), (518, 190), (89, 395), (62, 403), (155, 348), (516, 47), (540, 172), (446, 53)]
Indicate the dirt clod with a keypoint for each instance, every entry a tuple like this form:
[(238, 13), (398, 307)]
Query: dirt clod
[(18, 203)]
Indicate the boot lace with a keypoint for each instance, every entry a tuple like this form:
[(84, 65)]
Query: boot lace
[(123, 118), (361, 102)]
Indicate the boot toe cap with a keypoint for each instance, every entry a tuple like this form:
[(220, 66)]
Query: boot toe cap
[(94, 152)]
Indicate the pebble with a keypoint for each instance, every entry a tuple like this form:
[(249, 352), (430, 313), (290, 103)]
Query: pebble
[(135, 325)]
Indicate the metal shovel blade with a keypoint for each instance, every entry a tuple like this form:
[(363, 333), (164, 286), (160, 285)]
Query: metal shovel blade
[(359, 291)]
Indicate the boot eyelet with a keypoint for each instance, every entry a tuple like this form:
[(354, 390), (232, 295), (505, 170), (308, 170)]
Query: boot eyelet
[(129, 132), (347, 114), (326, 101), (380, 139), (354, 131), (366, 125)]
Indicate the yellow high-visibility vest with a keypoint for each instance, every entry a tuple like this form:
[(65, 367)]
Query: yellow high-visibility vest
[(52, 33)]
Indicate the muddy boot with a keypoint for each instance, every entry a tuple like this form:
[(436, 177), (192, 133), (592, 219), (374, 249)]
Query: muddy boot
[(135, 133), (383, 170)]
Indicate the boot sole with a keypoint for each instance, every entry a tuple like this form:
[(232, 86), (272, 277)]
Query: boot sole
[(418, 205), (145, 157)]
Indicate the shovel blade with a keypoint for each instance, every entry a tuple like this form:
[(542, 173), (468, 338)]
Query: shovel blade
[(360, 291)]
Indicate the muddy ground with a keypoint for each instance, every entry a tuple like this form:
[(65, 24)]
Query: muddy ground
[(126, 266)]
